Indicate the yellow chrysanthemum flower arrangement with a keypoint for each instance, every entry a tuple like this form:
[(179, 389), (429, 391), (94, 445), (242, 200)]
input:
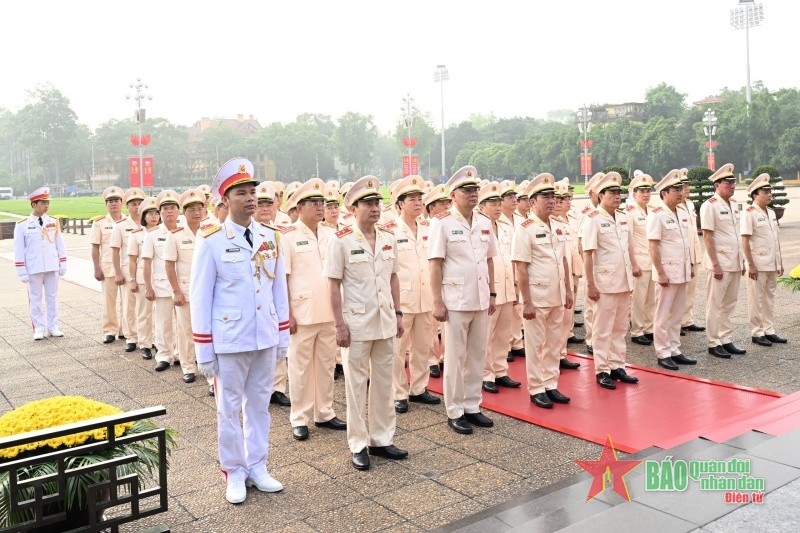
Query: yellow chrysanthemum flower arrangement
[(792, 280), (52, 412)]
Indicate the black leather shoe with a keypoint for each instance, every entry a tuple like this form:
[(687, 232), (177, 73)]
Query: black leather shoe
[(460, 425), (509, 358), (541, 400), (211, 390), (642, 340), (435, 372), (489, 386), (566, 364), (589, 350), (401, 406), (518, 352), (338, 371), (129, 347), (619, 374), (506, 381), (300, 432), (280, 399), (683, 360), (556, 396), (176, 362), (479, 419), (693, 327), (188, 378), (668, 363), (121, 337), (426, 398), (360, 460), (605, 381), (761, 341), (146, 353), (775, 338), (578, 311), (161, 366), (578, 324), (730, 348), (389, 452), (683, 333), (333, 423), (719, 351), (108, 339), (649, 336), (575, 340)]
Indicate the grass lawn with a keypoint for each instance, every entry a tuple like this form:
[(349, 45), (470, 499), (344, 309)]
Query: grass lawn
[(80, 207)]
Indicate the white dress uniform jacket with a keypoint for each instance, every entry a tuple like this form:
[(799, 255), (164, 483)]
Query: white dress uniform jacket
[(38, 248)]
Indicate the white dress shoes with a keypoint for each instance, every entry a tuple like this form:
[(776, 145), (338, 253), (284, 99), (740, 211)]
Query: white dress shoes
[(260, 479), (236, 491), (38, 335), (56, 333)]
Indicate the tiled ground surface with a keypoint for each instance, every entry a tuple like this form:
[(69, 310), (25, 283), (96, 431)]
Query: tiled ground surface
[(446, 478)]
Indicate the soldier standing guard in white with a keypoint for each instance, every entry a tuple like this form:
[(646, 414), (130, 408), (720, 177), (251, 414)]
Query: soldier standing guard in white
[(40, 259), (240, 325)]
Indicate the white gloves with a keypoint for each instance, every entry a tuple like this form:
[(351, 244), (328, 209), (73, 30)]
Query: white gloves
[(210, 370), (62, 270), (282, 352), (24, 279)]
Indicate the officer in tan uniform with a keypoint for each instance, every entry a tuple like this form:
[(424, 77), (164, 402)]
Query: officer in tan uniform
[(436, 200), (668, 231), (508, 206), (762, 250), (643, 300), (281, 218), (312, 344), (100, 238), (149, 220), (697, 252), (460, 248), (565, 236), (543, 276), (361, 268), (331, 214), (495, 372), (119, 244), (346, 218), (610, 270), (416, 300), (724, 261), (571, 215), (588, 304)]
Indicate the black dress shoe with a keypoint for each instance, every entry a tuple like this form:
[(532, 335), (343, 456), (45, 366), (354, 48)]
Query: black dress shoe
[(389, 452), (176, 362), (541, 400), (333, 423), (775, 338), (556, 396), (108, 339), (489, 386), (189, 378), (668, 363), (129, 347), (460, 425), (506, 381), (589, 350), (619, 374), (121, 337), (575, 340), (338, 371), (649, 336), (578, 324), (300, 432), (605, 381), (641, 339), (683, 360), (161, 366), (566, 364), (518, 352), (719, 351), (683, 333), (435, 372), (509, 358), (426, 398), (280, 399), (578, 311), (401, 406), (146, 353), (693, 327), (211, 390), (730, 348), (360, 460), (761, 341), (479, 419)]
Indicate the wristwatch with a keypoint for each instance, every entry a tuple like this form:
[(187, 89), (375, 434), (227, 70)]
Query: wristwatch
[(398, 312), (493, 295)]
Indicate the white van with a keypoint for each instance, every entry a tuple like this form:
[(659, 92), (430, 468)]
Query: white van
[(6, 193)]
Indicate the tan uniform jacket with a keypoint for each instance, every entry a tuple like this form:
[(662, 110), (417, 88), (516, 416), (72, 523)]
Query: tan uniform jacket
[(637, 219), (672, 231), (765, 244), (135, 247), (304, 260), (697, 240), (412, 262), (723, 219), (119, 239), (609, 235), (180, 248), (538, 245), (100, 233), (155, 244), (577, 257), (503, 267)]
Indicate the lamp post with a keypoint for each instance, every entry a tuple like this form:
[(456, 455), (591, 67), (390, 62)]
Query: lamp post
[(747, 15), (408, 110), (585, 127), (441, 75), (141, 92), (710, 129)]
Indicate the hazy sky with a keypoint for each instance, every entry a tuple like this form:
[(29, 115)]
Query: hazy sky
[(275, 60)]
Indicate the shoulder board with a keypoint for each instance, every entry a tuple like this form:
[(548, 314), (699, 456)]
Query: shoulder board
[(682, 206), (98, 217), (386, 228), (631, 207), (20, 221), (443, 214), (389, 226), (137, 230), (346, 231), (178, 229), (586, 209), (527, 222), (620, 211), (593, 214), (501, 221), (211, 230), (286, 229), (712, 200), (270, 226), (657, 209), (571, 215), (347, 215), (423, 222), (751, 208)]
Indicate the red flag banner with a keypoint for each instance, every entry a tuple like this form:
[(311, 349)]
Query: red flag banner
[(135, 171), (586, 164), (148, 171)]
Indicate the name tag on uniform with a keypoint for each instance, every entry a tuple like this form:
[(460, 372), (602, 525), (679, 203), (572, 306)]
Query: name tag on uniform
[(301, 243), (541, 235), (401, 241), (457, 232), (109, 227), (231, 250), (670, 221), (161, 239), (187, 242), (356, 252), (605, 225), (724, 213)]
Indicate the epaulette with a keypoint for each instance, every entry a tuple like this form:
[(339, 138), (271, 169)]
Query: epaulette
[(631, 207), (347, 215), (657, 209), (22, 220), (712, 200), (751, 208), (286, 229), (586, 209), (137, 230), (176, 230), (211, 230), (527, 222), (270, 226), (501, 221), (621, 211), (386, 228), (98, 217), (389, 226), (342, 232), (423, 222), (443, 214), (593, 214)]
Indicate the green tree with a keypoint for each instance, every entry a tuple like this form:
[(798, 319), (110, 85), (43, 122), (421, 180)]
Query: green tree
[(615, 144), (355, 142), (664, 101), (659, 147), (702, 188), (456, 138)]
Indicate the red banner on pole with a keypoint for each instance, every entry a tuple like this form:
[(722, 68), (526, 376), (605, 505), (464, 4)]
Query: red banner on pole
[(410, 165), (135, 171), (712, 161), (148, 171), (586, 164)]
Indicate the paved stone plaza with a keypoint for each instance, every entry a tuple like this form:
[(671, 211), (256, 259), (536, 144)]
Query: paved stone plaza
[(447, 476)]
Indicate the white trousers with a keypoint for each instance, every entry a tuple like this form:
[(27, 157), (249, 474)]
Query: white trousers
[(761, 303), (667, 324), (720, 305), (417, 341), (144, 319), (46, 282), (165, 330), (129, 321), (543, 339), (243, 387), (466, 335)]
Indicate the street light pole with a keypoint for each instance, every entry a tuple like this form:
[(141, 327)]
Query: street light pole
[(710, 129), (747, 15), (140, 93), (441, 75), (585, 127)]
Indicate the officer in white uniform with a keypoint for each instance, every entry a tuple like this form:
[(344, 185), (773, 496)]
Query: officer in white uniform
[(40, 258), (762, 250), (119, 244), (436, 200), (240, 324), (588, 304)]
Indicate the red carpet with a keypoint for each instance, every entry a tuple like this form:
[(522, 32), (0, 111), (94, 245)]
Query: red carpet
[(664, 409)]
